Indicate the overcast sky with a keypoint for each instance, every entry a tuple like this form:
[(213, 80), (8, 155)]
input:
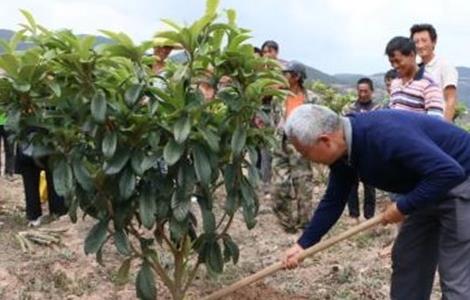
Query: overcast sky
[(335, 36)]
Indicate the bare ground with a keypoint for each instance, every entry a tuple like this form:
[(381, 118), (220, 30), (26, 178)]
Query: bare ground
[(349, 270)]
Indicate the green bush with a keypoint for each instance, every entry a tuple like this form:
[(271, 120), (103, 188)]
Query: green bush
[(131, 149)]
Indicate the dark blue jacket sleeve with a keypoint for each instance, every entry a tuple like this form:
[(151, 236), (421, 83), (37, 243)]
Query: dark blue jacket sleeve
[(331, 206), (439, 172)]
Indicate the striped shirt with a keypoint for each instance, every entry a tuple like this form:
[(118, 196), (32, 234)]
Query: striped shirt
[(422, 95)]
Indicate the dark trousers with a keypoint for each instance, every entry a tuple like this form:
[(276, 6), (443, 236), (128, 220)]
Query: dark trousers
[(369, 201), (9, 162), (30, 173), (437, 237)]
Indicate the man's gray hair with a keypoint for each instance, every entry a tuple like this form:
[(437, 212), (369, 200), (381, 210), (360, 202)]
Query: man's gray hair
[(309, 121)]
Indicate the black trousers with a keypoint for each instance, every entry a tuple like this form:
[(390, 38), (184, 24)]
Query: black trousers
[(369, 201), (30, 173), (9, 162)]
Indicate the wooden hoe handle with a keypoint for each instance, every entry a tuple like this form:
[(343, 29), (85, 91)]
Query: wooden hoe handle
[(308, 252)]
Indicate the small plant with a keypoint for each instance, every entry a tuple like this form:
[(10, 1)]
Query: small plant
[(132, 149), (331, 97)]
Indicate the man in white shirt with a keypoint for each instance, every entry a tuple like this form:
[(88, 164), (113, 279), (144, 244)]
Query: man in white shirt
[(444, 74)]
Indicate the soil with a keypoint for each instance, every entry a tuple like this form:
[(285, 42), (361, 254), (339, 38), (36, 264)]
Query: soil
[(352, 269)]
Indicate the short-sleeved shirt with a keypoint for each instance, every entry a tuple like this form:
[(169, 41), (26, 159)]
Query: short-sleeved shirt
[(421, 94), (443, 73)]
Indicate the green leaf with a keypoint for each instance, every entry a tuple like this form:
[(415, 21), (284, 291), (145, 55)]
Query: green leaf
[(22, 87), (62, 177), (231, 16), (232, 202), (86, 45), (109, 144), (230, 177), (214, 259), (123, 272), (127, 184), (6, 46), (234, 43), (9, 63), (163, 208), (181, 129), (98, 107), (211, 6), (154, 140), (180, 203), (171, 36), (178, 229), (132, 94), (115, 164), (208, 220), (136, 162), (26, 73), (145, 283), (171, 24), (202, 165), (30, 19), (249, 204), (172, 152), (55, 87), (141, 162), (238, 139), (99, 256), (211, 138), (82, 175), (147, 209), (72, 209), (120, 38), (96, 237), (122, 242), (232, 249)]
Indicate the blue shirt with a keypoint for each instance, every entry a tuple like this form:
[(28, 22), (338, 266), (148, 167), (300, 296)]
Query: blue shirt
[(412, 154)]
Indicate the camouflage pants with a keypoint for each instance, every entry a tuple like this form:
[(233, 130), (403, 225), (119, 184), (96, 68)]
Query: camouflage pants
[(292, 188)]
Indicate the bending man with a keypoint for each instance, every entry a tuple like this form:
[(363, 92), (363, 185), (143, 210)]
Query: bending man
[(425, 160)]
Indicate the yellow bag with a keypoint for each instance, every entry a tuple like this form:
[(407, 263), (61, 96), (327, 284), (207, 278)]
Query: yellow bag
[(43, 187)]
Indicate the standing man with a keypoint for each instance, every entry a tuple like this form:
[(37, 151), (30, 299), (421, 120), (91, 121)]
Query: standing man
[(363, 104), (292, 174), (425, 160), (269, 49), (414, 89), (444, 74)]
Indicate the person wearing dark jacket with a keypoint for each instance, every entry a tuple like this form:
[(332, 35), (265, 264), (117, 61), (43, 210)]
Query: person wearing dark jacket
[(30, 169), (364, 103), (424, 159)]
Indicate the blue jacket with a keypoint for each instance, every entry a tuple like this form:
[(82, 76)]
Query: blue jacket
[(411, 154)]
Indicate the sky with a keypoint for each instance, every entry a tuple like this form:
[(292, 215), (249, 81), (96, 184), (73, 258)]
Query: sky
[(334, 36)]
